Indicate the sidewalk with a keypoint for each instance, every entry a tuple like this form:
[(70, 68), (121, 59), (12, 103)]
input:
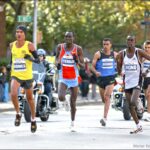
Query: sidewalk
[(4, 107)]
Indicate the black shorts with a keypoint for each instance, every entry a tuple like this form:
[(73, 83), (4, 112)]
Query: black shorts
[(27, 84), (102, 82), (131, 89), (146, 83)]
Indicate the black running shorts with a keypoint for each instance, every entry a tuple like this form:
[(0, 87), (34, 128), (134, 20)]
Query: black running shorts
[(102, 82), (26, 84)]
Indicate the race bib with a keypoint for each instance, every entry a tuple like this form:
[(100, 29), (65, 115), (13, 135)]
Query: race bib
[(131, 67), (20, 64)]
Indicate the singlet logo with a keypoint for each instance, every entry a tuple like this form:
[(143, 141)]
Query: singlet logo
[(23, 52), (107, 63), (130, 67), (146, 65)]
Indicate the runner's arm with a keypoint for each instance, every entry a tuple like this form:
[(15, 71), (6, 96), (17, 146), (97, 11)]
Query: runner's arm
[(33, 52), (80, 57), (10, 62), (95, 58), (57, 61), (119, 60)]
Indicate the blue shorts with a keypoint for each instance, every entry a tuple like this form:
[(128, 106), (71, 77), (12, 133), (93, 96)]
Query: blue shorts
[(69, 83)]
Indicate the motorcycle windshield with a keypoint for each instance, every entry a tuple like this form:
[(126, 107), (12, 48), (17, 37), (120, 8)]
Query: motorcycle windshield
[(39, 72)]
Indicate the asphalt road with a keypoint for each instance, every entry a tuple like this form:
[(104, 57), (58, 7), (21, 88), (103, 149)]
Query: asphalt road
[(55, 133)]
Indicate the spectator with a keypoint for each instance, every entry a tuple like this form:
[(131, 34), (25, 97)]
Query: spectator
[(93, 82), (2, 82), (85, 75)]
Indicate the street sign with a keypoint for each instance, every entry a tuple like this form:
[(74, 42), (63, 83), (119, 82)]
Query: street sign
[(147, 13), (145, 22), (22, 18)]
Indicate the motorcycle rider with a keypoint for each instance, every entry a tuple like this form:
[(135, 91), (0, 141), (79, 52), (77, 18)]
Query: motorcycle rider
[(42, 67)]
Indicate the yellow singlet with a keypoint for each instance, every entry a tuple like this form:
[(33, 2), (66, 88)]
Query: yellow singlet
[(21, 68)]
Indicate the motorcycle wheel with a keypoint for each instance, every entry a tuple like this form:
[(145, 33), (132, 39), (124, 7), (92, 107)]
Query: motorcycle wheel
[(140, 108), (27, 112), (45, 117), (126, 111)]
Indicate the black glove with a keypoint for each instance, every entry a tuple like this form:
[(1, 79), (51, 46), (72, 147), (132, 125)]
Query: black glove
[(8, 67), (46, 64), (75, 58), (27, 56), (58, 66), (36, 61)]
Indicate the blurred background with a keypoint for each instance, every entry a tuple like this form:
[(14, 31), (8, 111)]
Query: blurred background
[(91, 20)]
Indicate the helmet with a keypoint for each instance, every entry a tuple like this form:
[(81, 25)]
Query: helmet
[(41, 52)]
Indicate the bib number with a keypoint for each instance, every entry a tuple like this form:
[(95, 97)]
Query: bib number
[(20, 65)]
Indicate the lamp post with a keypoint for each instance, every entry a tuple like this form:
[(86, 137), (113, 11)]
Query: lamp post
[(35, 24), (146, 23)]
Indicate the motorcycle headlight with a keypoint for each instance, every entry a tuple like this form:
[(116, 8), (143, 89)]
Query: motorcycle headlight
[(117, 96), (22, 91), (40, 88), (40, 91), (120, 89)]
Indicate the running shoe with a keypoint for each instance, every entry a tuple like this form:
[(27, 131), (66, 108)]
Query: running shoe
[(138, 130), (103, 122), (147, 119), (33, 126), (72, 127), (18, 119)]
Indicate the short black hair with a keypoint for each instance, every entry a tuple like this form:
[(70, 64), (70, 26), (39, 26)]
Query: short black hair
[(130, 37), (108, 39), (69, 32)]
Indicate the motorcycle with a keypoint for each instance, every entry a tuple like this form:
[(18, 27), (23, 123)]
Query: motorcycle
[(120, 103), (42, 101)]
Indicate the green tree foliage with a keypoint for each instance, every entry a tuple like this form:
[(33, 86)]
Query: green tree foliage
[(91, 20)]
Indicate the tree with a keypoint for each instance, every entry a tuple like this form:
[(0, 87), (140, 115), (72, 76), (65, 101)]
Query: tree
[(90, 20), (2, 29)]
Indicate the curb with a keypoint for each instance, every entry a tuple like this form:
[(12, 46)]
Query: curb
[(5, 107)]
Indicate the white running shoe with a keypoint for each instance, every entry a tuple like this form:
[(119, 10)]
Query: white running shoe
[(72, 127), (147, 116), (138, 130), (147, 119)]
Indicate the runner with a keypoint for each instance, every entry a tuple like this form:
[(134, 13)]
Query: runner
[(104, 68), (130, 59), (21, 73), (68, 57)]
